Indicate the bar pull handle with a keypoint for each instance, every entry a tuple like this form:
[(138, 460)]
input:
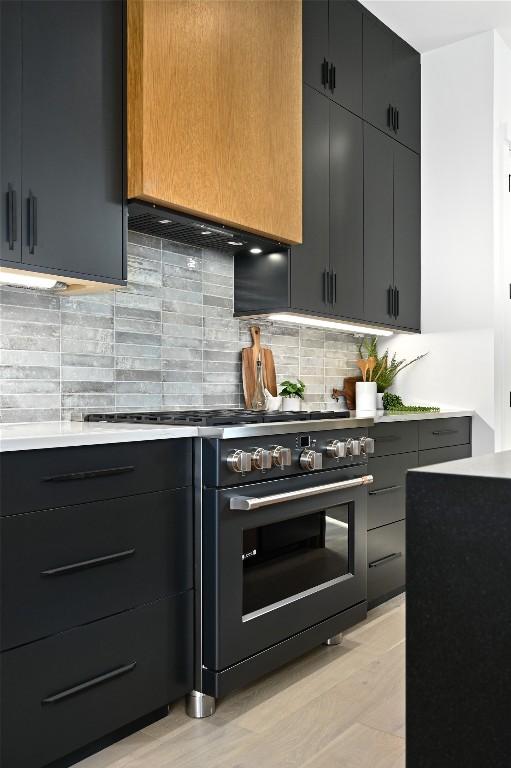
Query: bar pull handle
[(396, 303), (397, 120), (325, 286), (331, 78), (81, 687), (63, 570), (32, 222), (335, 287), (390, 301), (385, 560), (248, 503), (12, 234), (89, 474), (444, 432), (388, 489)]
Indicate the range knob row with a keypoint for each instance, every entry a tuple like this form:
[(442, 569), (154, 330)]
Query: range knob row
[(259, 458), (339, 449)]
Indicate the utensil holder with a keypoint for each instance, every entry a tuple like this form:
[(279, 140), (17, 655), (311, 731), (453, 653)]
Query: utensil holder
[(365, 398)]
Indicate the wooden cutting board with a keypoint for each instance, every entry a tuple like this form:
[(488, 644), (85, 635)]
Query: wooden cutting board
[(249, 356)]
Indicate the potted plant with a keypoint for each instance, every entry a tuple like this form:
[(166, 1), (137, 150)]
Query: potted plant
[(381, 371), (292, 395)]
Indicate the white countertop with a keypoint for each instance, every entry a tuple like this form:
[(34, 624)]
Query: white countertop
[(59, 434), (442, 414), (491, 465)]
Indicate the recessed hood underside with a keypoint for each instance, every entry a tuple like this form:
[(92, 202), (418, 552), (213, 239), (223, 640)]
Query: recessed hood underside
[(160, 222)]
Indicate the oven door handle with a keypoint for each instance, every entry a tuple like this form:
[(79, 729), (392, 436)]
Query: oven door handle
[(247, 503)]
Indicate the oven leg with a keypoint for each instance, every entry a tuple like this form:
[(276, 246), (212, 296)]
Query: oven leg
[(200, 705), (335, 640)]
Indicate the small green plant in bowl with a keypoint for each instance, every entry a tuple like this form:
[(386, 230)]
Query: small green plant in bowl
[(292, 395)]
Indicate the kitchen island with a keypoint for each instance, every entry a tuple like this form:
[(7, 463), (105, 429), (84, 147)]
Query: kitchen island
[(458, 615)]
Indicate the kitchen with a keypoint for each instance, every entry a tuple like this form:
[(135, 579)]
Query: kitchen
[(188, 240)]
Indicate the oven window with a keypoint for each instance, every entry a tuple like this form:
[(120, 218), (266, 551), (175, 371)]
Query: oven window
[(285, 559)]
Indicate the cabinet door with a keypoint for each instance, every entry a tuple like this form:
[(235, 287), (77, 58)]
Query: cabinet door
[(309, 261), (378, 80), (315, 43), (378, 225), (407, 93), (346, 212), (72, 137), (10, 131), (345, 54), (407, 255)]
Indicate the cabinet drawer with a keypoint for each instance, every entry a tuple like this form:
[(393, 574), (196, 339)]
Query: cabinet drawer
[(58, 477), (386, 558), (68, 566), (63, 692), (394, 437), (438, 433), (386, 497), (438, 455)]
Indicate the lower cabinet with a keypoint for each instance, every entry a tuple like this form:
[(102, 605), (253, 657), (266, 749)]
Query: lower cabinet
[(65, 691), (386, 562), (400, 446)]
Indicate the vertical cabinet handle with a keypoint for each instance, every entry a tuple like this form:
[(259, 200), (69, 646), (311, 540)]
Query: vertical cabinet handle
[(390, 301), (396, 303), (397, 120), (331, 78), (335, 287), (324, 73), (32, 222), (389, 116), (12, 234), (325, 286)]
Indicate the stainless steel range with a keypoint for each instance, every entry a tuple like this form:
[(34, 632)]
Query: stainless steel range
[(280, 539)]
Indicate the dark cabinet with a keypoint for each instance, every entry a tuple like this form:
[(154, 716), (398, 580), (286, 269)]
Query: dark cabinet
[(391, 232), (309, 261), (62, 113), (332, 50), (391, 83)]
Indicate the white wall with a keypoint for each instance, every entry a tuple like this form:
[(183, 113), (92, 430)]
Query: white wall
[(457, 237)]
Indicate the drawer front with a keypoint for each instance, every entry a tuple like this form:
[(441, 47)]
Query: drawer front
[(63, 692), (59, 477), (394, 437), (72, 565), (386, 558), (386, 496), (438, 455), (439, 433)]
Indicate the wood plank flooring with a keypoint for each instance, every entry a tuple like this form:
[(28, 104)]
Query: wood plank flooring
[(336, 707)]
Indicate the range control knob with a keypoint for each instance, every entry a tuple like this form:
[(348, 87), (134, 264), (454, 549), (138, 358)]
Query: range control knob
[(280, 456), (336, 449), (352, 447), (367, 445), (239, 461), (311, 460), (261, 458)]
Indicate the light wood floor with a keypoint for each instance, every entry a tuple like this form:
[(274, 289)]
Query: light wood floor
[(336, 707)]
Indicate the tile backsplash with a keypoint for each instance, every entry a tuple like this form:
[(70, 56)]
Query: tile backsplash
[(167, 340)]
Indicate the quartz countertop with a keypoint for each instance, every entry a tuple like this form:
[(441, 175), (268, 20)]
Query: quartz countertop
[(442, 414), (491, 465), (60, 434)]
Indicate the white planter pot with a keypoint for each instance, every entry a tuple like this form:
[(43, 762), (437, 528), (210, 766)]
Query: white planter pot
[(273, 403), (291, 404), (365, 396)]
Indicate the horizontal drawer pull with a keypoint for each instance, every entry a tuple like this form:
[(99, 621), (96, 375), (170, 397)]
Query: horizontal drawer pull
[(385, 490), (88, 474), (247, 503), (445, 432), (84, 564), (385, 560), (57, 697)]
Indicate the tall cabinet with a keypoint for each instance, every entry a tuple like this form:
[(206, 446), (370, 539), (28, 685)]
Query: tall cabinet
[(360, 256)]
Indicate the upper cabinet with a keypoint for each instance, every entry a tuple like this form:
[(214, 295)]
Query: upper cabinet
[(214, 111), (61, 146), (332, 50), (392, 79)]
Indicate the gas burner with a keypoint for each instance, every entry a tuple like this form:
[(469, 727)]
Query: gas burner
[(213, 418)]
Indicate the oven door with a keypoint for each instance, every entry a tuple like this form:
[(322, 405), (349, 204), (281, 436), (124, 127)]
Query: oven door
[(279, 557)]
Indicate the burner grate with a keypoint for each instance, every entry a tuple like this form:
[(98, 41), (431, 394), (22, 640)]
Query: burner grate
[(212, 418)]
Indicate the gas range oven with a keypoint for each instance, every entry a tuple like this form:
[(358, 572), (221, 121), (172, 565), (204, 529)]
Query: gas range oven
[(280, 539)]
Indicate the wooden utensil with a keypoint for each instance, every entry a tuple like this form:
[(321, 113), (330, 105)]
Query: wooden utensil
[(363, 365), (249, 356), (371, 364)]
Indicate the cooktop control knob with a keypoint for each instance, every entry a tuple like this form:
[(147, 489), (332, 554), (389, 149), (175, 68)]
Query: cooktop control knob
[(367, 445), (311, 460), (352, 447), (261, 458), (336, 449), (281, 457), (239, 461)]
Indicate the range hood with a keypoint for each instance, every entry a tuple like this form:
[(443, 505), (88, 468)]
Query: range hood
[(151, 219)]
